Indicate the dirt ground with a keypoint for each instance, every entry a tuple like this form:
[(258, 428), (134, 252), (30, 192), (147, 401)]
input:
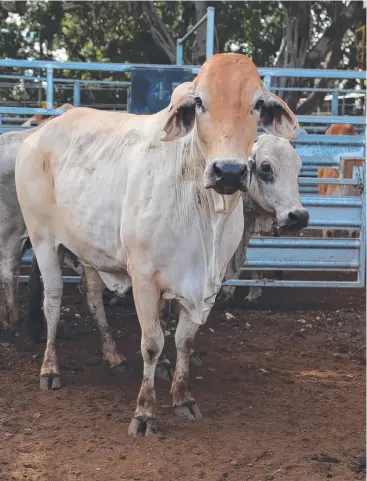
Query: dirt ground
[(281, 388)]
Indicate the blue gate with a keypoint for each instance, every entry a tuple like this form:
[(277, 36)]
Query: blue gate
[(303, 255)]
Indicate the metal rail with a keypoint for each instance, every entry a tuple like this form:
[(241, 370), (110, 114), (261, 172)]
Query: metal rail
[(267, 73), (290, 254)]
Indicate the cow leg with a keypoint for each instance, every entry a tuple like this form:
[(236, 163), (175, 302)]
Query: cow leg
[(49, 264), (94, 293), (183, 402), (9, 285), (34, 316), (254, 292), (163, 371), (147, 301), (226, 294)]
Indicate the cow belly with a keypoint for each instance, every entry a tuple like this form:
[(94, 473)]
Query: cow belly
[(116, 282)]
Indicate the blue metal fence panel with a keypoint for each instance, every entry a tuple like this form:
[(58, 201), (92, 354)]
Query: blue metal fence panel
[(303, 253), (296, 253)]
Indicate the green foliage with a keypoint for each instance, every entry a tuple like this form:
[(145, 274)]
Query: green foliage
[(119, 31)]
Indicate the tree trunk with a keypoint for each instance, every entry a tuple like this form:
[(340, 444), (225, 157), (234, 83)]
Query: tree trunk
[(295, 50), (343, 19), (161, 37), (294, 46), (199, 50), (332, 60)]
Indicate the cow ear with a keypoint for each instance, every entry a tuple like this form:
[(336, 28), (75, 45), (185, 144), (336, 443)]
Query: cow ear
[(181, 117), (34, 121), (276, 117)]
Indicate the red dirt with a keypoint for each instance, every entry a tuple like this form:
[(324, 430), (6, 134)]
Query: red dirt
[(282, 399)]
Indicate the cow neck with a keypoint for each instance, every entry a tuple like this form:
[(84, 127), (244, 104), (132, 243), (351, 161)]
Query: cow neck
[(257, 220), (190, 166), (224, 206)]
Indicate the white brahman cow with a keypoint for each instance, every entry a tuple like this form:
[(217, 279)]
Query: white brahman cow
[(272, 201), (13, 234), (152, 201)]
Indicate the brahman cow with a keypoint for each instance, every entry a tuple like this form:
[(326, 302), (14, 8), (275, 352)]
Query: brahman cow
[(272, 201), (328, 173), (13, 234), (151, 201)]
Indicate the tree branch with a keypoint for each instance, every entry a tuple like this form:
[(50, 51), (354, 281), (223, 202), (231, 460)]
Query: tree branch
[(332, 35), (315, 97), (161, 37)]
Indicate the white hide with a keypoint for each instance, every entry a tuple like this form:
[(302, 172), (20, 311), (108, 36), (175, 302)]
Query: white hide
[(142, 200)]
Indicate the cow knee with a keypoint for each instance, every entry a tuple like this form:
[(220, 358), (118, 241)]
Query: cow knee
[(152, 346)]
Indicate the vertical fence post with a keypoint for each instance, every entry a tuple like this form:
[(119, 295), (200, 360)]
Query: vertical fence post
[(335, 103), (210, 32), (179, 53), (128, 99), (267, 82), (76, 99), (50, 88)]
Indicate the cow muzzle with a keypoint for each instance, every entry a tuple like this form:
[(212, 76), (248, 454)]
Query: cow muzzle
[(227, 176), (296, 220)]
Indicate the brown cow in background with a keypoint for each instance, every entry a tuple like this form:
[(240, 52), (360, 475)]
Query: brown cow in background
[(328, 173)]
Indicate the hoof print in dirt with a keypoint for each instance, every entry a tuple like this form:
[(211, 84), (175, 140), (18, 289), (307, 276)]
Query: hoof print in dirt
[(143, 427), (50, 381), (250, 304), (188, 412), (325, 458)]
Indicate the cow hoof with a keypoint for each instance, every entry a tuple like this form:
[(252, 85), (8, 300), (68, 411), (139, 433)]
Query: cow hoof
[(143, 427), (123, 369), (250, 303), (188, 412), (163, 371), (196, 361), (50, 381)]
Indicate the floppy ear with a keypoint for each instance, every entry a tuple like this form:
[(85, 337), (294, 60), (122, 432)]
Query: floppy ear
[(34, 121), (276, 117), (181, 113)]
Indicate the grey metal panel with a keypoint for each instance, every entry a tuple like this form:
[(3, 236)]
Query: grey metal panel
[(275, 283), (316, 151), (300, 254), (333, 212)]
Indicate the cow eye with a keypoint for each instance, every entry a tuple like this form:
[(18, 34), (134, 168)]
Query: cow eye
[(33, 123), (266, 168), (199, 103), (259, 104)]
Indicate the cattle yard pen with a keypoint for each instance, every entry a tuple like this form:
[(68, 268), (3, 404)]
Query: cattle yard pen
[(305, 255)]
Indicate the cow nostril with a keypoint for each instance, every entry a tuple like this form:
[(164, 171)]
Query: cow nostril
[(293, 216), (217, 170), (299, 217)]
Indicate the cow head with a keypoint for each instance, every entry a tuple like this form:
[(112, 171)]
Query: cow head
[(226, 102), (275, 167), (39, 119)]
